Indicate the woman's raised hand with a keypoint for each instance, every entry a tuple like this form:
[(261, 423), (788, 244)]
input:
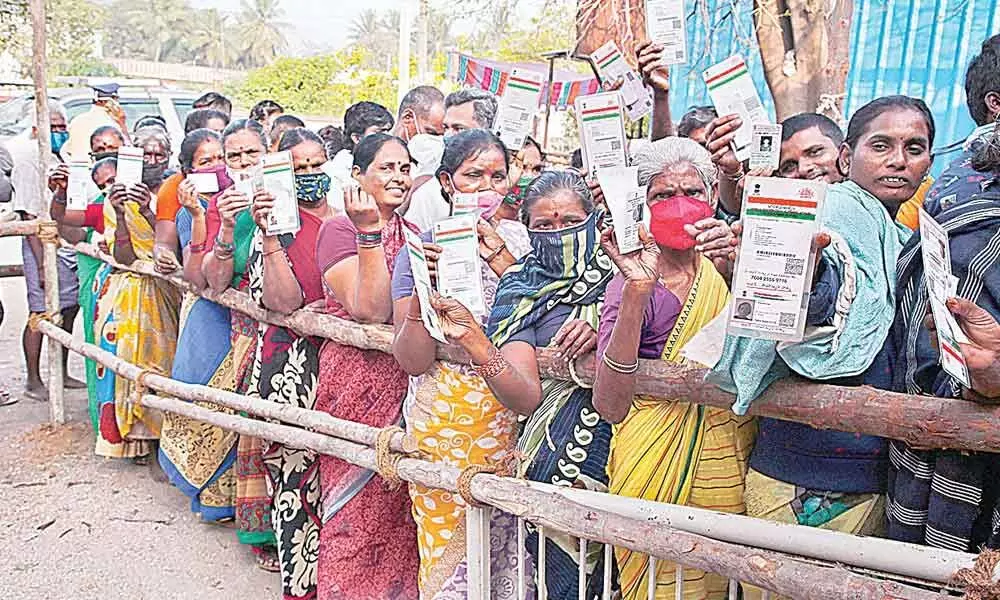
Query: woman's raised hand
[(639, 267), (230, 203), (360, 206), (456, 321), (187, 196)]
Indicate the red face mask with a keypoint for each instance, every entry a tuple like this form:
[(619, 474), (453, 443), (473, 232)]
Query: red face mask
[(668, 218)]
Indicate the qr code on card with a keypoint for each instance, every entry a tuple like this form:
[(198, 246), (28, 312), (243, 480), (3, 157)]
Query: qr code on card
[(795, 266)]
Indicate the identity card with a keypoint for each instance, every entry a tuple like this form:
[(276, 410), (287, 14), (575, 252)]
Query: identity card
[(626, 201), (602, 131), (518, 105), (732, 92), (941, 285), (129, 166), (775, 263), (422, 284), (458, 271), (279, 181), (78, 186), (612, 66), (765, 147), (204, 183), (665, 25)]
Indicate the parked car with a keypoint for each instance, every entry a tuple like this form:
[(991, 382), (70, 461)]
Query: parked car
[(172, 105)]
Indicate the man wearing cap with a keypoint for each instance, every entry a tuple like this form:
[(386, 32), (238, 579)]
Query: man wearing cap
[(105, 111)]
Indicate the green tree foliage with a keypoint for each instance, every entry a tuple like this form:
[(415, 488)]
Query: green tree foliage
[(71, 27), (324, 85)]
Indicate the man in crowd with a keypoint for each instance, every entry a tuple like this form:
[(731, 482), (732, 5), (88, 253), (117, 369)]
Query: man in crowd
[(104, 111), (694, 123), (420, 112), (360, 120), (215, 101), (30, 199)]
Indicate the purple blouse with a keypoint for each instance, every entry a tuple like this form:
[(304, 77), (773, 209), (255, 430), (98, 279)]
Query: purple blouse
[(658, 318)]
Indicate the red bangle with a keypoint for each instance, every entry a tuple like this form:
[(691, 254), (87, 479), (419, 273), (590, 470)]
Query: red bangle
[(197, 248)]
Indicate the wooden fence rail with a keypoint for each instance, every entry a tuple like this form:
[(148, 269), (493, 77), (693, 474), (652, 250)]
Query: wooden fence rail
[(922, 421)]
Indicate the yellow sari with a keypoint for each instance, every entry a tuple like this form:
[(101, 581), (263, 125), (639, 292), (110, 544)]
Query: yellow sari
[(681, 453), (136, 318), (456, 420)]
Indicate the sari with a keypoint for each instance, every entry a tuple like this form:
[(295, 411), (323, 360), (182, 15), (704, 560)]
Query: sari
[(564, 441), (364, 521), (135, 319), (87, 268), (285, 370), (678, 452), (455, 419), (252, 502), (198, 457)]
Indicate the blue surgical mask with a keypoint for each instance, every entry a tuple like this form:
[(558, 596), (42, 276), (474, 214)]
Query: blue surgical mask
[(57, 139)]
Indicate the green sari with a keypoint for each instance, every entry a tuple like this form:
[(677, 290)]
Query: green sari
[(87, 268)]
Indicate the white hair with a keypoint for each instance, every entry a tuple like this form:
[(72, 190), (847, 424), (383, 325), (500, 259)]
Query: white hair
[(31, 115), (651, 159)]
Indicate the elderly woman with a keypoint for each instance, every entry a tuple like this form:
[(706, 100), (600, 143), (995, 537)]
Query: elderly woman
[(450, 411), (136, 315), (230, 228), (550, 298), (667, 451), (365, 521), (196, 456)]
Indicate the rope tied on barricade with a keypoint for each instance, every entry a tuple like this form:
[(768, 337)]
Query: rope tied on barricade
[(35, 320), (387, 461), (141, 388), (48, 232), (979, 581), (504, 468)]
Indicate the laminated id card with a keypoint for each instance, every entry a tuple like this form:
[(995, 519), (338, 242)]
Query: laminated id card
[(602, 131), (279, 181)]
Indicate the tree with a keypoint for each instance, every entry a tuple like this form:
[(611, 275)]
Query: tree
[(806, 53), (71, 28), (212, 40), (148, 29), (262, 32)]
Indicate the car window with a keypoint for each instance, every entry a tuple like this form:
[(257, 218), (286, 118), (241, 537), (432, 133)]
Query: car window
[(136, 108), (76, 107), (12, 115), (183, 107)]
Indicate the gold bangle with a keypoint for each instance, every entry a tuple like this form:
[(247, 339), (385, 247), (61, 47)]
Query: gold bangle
[(415, 319), (496, 253)]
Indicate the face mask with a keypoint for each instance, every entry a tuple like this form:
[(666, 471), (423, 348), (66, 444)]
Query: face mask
[(426, 151), (483, 203), (311, 188), (57, 139), (519, 190), (668, 218), (152, 174), (551, 247)]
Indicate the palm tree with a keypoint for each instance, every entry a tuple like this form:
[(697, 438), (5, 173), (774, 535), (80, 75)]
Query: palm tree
[(211, 40), (365, 28), (262, 32)]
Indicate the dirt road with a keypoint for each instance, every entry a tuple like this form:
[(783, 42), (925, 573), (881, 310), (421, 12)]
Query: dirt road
[(78, 527)]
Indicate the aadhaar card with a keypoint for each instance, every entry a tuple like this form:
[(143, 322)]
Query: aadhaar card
[(518, 105), (248, 181), (665, 25), (774, 267), (129, 166), (204, 183), (279, 181), (458, 272), (765, 147), (732, 92), (78, 186), (612, 66), (627, 203), (941, 285), (602, 131), (422, 285)]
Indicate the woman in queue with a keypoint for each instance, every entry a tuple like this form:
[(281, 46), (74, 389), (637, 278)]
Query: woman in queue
[(667, 451), (450, 411), (285, 277), (550, 298), (230, 231), (365, 520), (196, 456), (136, 315)]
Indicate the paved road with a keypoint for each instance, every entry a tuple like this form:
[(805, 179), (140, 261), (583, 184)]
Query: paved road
[(78, 527)]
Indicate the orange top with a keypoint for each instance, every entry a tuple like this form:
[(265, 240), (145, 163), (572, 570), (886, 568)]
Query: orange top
[(909, 212), (167, 204)]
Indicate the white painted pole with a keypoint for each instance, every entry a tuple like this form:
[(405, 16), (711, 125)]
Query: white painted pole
[(405, 29), (477, 548)]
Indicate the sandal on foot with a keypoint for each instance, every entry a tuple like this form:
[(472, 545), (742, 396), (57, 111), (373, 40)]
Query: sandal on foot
[(267, 559)]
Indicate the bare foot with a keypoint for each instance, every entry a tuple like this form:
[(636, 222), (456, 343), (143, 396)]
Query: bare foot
[(73, 384), (36, 391)]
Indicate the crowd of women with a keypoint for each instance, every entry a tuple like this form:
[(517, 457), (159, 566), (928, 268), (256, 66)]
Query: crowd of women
[(552, 277)]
